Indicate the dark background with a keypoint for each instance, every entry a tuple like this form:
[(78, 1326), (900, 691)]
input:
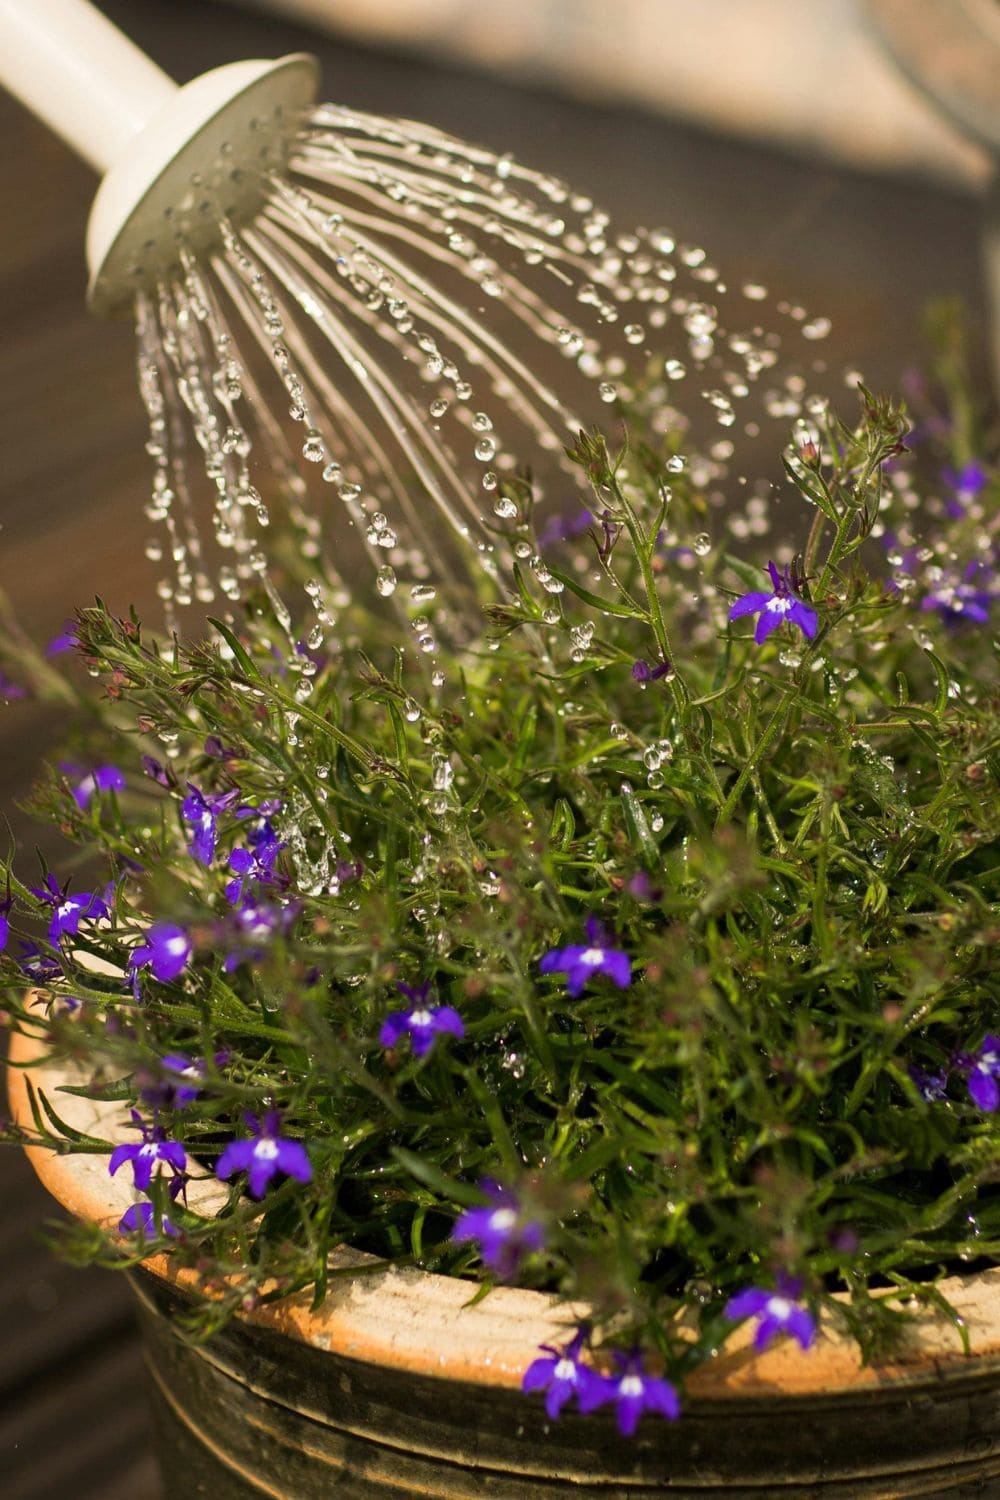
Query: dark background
[(868, 252)]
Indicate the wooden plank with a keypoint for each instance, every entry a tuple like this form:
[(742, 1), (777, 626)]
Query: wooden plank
[(84, 1435)]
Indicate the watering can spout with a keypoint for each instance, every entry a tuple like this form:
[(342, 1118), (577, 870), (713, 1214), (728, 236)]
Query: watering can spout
[(174, 160)]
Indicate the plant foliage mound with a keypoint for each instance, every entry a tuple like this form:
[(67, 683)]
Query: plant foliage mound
[(633, 941)]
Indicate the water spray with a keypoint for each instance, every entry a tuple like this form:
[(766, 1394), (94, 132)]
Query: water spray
[(367, 319)]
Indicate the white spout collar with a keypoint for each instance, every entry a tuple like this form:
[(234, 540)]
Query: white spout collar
[(207, 152)]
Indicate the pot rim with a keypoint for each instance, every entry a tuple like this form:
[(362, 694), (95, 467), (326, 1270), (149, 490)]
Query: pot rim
[(422, 1323)]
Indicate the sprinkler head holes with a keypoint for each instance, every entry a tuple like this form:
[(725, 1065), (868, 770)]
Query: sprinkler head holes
[(205, 155)]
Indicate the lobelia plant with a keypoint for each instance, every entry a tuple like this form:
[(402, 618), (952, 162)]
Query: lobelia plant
[(638, 946)]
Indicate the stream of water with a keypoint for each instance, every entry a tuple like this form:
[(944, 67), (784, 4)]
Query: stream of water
[(409, 321)]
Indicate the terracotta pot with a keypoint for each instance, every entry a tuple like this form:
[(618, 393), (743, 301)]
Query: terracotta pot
[(396, 1388)]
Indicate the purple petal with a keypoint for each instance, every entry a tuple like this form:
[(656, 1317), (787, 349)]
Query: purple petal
[(64, 641), (173, 1153), (802, 1326), (422, 1039), (749, 604), (661, 1396), (235, 1158), (805, 618), (769, 620), (776, 577), (472, 1224), (594, 1389), (538, 1375), (119, 1155), (748, 1303), (262, 1169), (630, 1409), (141, 1219), (983, 1090), (532, 1235), (559, 1393), (559, 959), (293, 1160), (416, 994), (576, 977), (446, 1018), (618, 967), (767, 1329), (142, 1169), (393, 1027)]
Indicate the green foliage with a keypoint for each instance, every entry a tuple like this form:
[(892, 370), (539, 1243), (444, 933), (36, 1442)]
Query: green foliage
[(798, 845)]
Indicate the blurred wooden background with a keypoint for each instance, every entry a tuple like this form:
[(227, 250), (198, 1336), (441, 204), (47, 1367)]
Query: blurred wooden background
[(867, 251)]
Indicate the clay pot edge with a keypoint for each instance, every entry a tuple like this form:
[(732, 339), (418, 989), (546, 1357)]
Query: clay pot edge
[(419, 1321)]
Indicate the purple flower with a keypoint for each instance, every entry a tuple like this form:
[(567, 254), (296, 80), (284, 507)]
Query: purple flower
[(11, 690), (141, 1219), (5, 906), (218, 751), (777, 1311), (965, 485), (263, 1156), (931, 1086), (66, 640), (151, 767), (68, 911), (39, 967), (581, 961), (179, 1083), (633, 1391), (256, 864), (561, 1375), (967, 595), (145, 1155), (423, 1022), (643, 672), (781, 604), (202, 812), (166, 950), (505, 1235), (982, 1068), (101, 779), (563, 528), (249, 930)]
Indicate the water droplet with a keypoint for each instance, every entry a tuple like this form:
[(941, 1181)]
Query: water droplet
[(385, 581), (486, 449), (702, 544), (818, 328), (505, 508), (312, 448), (634, 333), (607, 391), (443, 773)]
